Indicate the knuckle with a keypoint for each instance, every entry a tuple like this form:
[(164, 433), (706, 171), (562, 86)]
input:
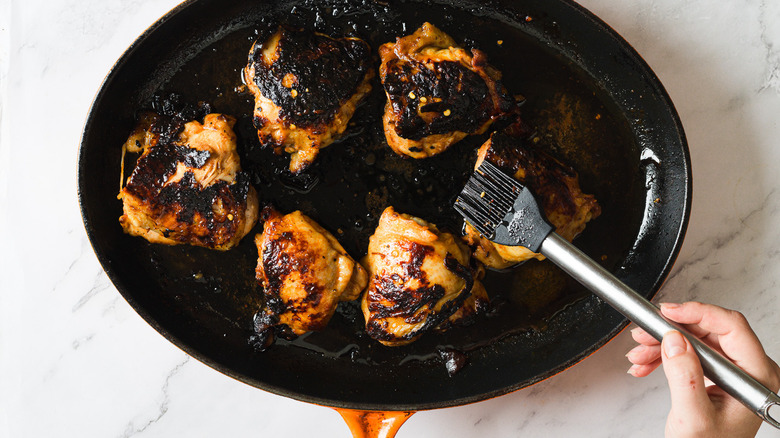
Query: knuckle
[(768, 373), (737, 315), (738, 318), (694, 304), (774, 378), (685, 377)]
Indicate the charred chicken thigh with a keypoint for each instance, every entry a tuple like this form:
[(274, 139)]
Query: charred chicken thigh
[(306, 87), (437, 93), (419, 279), (187, 186), (304, 272), (555, 185)]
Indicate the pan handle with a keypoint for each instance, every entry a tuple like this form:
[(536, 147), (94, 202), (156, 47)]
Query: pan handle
[(374, 424), (729, 377)]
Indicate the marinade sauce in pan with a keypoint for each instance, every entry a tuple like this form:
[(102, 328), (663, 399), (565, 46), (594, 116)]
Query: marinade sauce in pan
[(353, 180)]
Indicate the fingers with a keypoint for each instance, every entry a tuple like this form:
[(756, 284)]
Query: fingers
[(644, 370), (685, 376), (774, 386), (713, 319), (726, 331), (645, 357), (644, 354), (734, 335), (644, 338), (696, 409)]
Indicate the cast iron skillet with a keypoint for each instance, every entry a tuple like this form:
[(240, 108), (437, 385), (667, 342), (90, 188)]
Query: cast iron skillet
[(591, 100)]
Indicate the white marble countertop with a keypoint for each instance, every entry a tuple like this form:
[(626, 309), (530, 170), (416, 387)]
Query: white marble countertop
[(77, 361)]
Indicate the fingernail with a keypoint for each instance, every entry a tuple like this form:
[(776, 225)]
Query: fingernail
[(674, 344), (636, 350), (670, 305), (632, 369)]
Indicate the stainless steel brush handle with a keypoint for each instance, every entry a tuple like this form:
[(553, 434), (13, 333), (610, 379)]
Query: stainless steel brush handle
[(646, 315)]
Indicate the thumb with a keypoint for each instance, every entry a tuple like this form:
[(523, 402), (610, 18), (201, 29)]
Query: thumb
[(685, 376)]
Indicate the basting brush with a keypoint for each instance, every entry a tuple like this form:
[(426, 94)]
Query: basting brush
[(506, 213)]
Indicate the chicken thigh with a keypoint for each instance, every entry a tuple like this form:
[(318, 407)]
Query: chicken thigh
[(437, 93), (419, 279), (304, 272), (306, 87), (187, 186), (555, 186)]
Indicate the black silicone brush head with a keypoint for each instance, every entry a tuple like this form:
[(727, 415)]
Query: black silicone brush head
[(502, 209)]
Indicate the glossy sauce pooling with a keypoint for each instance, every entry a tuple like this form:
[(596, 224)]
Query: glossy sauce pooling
[(353, 181)]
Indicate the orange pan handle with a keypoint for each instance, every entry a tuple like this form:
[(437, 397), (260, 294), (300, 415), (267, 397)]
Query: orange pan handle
[(374, 424)]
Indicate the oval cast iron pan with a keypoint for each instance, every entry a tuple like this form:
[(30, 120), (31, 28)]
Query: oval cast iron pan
[(592, 101)]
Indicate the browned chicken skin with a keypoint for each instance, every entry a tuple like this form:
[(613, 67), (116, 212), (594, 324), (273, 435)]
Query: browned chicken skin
[(304, 272), (306, 86), (438, 93), (187, 186), (419, 279), (555, 185)]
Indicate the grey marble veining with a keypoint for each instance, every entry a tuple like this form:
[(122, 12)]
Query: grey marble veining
[(77, 361)]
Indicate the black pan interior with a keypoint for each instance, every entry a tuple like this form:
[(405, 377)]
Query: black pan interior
[(591, 100)]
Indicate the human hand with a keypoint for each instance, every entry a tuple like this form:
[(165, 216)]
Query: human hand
[(700, 410)]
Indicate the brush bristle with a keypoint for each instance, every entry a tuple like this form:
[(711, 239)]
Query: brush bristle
[(487, 198)]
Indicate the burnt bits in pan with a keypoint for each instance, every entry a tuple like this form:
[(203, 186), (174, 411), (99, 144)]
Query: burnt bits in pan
[(447, 85), (524, 299)]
